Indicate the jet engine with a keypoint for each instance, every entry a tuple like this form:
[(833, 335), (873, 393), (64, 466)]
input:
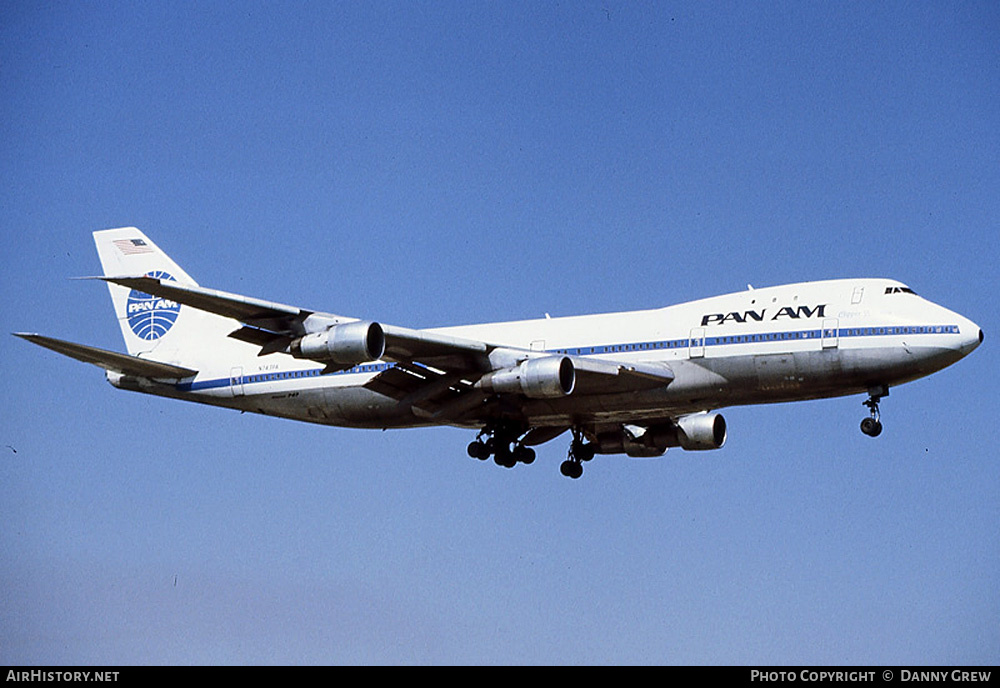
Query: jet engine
[(701, 431), (546, 377), (348, 344), (623, 441), (698, 431)]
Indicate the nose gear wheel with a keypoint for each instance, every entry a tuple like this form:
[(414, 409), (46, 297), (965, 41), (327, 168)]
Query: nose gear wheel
[(872, 426)]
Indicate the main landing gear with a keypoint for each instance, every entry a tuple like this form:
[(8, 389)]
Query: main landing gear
[(502, 443), (872, 426), (505, 443), (579, 452)]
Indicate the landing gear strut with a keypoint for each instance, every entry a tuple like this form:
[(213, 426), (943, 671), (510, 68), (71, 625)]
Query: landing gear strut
[(872, 426), (579, 451)]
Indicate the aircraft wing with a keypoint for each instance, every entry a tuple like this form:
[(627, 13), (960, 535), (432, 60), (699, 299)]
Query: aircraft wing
[(436, 374), (273, 325), (448, 395), (255, 313), (109, 360), (602, 376)]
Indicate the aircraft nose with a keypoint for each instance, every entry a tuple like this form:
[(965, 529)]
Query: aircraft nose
[(973, 337)]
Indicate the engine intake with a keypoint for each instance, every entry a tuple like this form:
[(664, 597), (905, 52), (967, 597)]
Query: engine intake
[(348, 344), (537, 378)]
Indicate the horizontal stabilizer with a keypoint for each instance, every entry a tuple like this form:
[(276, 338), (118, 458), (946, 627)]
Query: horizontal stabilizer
[(109, 360)]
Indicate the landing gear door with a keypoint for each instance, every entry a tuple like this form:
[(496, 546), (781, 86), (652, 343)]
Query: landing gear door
[(831, 333), (697, 343)]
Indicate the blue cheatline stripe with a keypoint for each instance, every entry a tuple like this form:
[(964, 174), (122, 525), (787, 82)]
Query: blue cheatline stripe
[(758, 338), (731, 340)]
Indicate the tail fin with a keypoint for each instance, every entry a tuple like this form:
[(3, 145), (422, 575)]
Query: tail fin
[(179, 335), (129, 252)]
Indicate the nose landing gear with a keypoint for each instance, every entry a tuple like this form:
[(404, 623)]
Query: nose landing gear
[(872, 426)]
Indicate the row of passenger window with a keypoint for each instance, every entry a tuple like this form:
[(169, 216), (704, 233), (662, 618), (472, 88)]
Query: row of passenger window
[(290, 375), (768, 337)]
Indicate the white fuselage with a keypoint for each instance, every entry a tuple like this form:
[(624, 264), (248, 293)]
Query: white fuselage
[(798, 341)]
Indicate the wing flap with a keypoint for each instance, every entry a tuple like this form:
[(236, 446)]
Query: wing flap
[(428, 393), (110, 360)]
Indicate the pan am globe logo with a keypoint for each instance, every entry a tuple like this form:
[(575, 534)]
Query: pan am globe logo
[(151, 317)]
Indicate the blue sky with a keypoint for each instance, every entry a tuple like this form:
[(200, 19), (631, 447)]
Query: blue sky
[(426, 164)]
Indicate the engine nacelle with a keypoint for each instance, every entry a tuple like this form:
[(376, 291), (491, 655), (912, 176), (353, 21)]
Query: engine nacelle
[(348, 344), (622, 442), (701, 431), (546, 377)]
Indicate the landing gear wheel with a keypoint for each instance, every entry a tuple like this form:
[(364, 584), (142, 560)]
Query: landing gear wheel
[(478, 450), (871, 427), (571, 469), (505, 457), (522, 454)]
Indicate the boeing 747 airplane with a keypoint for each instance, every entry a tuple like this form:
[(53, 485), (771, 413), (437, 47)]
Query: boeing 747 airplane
[(632, 383)]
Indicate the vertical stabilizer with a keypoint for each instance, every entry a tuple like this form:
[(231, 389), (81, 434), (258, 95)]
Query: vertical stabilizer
[(127, 252), (180, 335)]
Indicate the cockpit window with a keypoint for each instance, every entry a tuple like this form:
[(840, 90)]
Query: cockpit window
[(899, 290)]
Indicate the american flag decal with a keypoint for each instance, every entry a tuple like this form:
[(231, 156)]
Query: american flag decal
[(130, 247)]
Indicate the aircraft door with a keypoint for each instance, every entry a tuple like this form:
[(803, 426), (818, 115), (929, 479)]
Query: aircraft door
[(236, 381), (697, 343), (831, 333)]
